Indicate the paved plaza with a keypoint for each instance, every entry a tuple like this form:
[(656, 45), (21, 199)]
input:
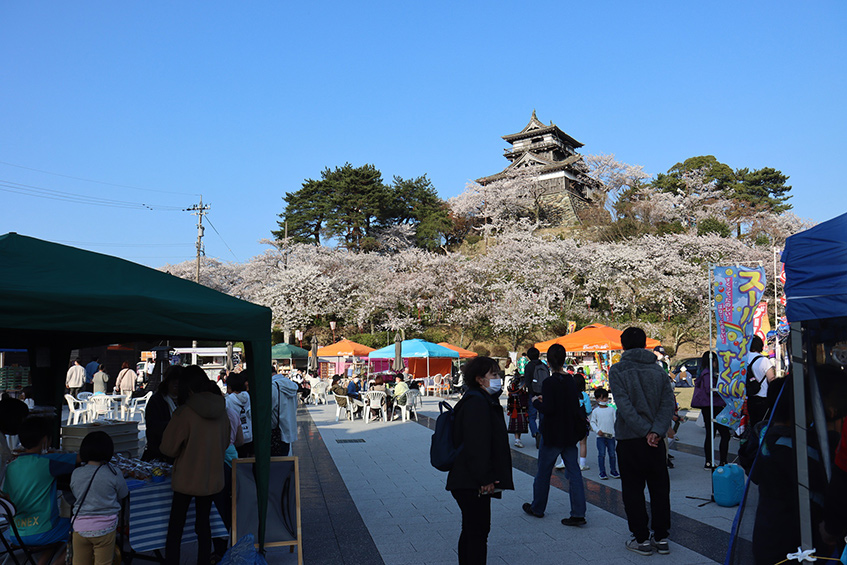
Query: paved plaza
[(370, 496)]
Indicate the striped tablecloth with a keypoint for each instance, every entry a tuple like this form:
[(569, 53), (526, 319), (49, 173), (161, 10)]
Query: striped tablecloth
[(149, 512)]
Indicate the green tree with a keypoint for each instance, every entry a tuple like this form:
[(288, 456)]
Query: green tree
[(305, 211), (714, 170), (416, 202), (762, 188), (359, 203)]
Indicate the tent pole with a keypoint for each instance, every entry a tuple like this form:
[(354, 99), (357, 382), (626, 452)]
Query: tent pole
[(800, 441), (777, 356), (711, 369)]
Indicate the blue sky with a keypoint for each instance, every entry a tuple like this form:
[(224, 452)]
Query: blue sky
[(242, 101)]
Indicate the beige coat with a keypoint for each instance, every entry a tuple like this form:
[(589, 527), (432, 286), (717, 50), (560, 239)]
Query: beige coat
[(197, 437)]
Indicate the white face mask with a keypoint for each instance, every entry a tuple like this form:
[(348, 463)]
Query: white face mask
[(603, 403), (494, 386)]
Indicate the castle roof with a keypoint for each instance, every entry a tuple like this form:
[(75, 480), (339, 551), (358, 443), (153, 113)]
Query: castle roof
[(535, 128)]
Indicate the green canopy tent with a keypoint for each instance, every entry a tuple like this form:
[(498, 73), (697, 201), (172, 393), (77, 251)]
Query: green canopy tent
[(292, 353), (55, 298)]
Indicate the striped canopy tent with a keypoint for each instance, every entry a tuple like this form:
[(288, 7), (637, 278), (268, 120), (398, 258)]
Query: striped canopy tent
[(463, 353), (424, 358), (595, 337)]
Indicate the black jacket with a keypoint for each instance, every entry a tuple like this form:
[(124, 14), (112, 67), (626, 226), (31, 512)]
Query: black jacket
[(485, 457), (560, 406), (157, 416), (529, 375)]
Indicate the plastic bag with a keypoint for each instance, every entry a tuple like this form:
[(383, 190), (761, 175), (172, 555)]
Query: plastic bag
[(243, 553)]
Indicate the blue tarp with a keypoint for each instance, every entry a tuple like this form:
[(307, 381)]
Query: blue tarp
[(816, 272), (414, 348)]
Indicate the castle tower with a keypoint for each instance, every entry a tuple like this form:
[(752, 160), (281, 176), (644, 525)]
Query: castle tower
[(561, 169)]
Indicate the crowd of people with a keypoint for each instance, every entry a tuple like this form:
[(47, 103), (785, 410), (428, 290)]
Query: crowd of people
[(190, 423), (551, 402)]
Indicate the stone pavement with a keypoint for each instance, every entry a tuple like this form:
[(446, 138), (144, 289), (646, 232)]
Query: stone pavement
[(370, 496)]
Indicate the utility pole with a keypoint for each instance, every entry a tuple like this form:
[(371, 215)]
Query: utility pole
[(199, 210)]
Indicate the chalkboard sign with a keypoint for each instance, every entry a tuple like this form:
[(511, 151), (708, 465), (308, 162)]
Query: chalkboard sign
[(283, 518)]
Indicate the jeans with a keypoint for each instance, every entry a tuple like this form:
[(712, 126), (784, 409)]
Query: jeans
[(202, 527), (641, 464), (541, 485), (532, 414), (605, 444), (476, 523)]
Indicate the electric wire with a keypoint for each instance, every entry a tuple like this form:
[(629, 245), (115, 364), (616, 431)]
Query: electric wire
[(222, 238), (98, 181), (50, 194)]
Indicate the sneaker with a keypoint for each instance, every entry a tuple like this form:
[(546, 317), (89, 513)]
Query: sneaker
[(661, 545), (603, 477), (615, 475), (670, 464), (582, 467), (527, 507), (518, 443), (643, 548), (574, 521), (560, 464)]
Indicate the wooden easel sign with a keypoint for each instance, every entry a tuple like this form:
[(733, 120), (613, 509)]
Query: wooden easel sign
[(283, 518)]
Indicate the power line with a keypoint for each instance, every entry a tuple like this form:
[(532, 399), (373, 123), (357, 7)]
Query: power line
[(101, 244), (222, 239), (98, 181), (50, 194)]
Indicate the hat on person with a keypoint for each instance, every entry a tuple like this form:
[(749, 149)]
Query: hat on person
[(659, 349)]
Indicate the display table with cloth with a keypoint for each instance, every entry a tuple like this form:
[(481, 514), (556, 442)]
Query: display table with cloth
[(149, 510)]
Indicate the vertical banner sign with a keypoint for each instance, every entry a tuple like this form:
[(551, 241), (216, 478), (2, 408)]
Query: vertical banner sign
[(571, 326), (737, 292)]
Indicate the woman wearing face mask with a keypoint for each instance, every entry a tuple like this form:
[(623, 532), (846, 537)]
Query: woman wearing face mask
[(483, 467), (158, 413)]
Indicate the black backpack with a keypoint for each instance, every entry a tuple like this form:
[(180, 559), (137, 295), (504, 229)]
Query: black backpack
[(539, 374), (442, 451), (752, 386)]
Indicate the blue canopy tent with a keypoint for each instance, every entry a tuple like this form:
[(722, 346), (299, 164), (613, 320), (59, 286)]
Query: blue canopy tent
[(415, 349), (816, 307), (816, 272)]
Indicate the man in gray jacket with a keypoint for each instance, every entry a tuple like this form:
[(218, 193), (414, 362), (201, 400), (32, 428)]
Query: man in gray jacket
[(645, 402)]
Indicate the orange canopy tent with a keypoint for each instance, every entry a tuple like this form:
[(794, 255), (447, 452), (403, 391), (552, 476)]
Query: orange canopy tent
[(463, 353), (345, 348), (595, 337)]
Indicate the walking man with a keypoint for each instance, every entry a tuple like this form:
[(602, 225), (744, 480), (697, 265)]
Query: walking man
[(559, 403), (75, 378), (533, 382), (645, 403)]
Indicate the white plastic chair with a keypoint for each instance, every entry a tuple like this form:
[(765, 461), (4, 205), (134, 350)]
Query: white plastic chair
[(434, 385), (100, 405), (76, 410), (318, 394), (376, 401), (139, 405), (339, 407), (412, 398), (84, 396)]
